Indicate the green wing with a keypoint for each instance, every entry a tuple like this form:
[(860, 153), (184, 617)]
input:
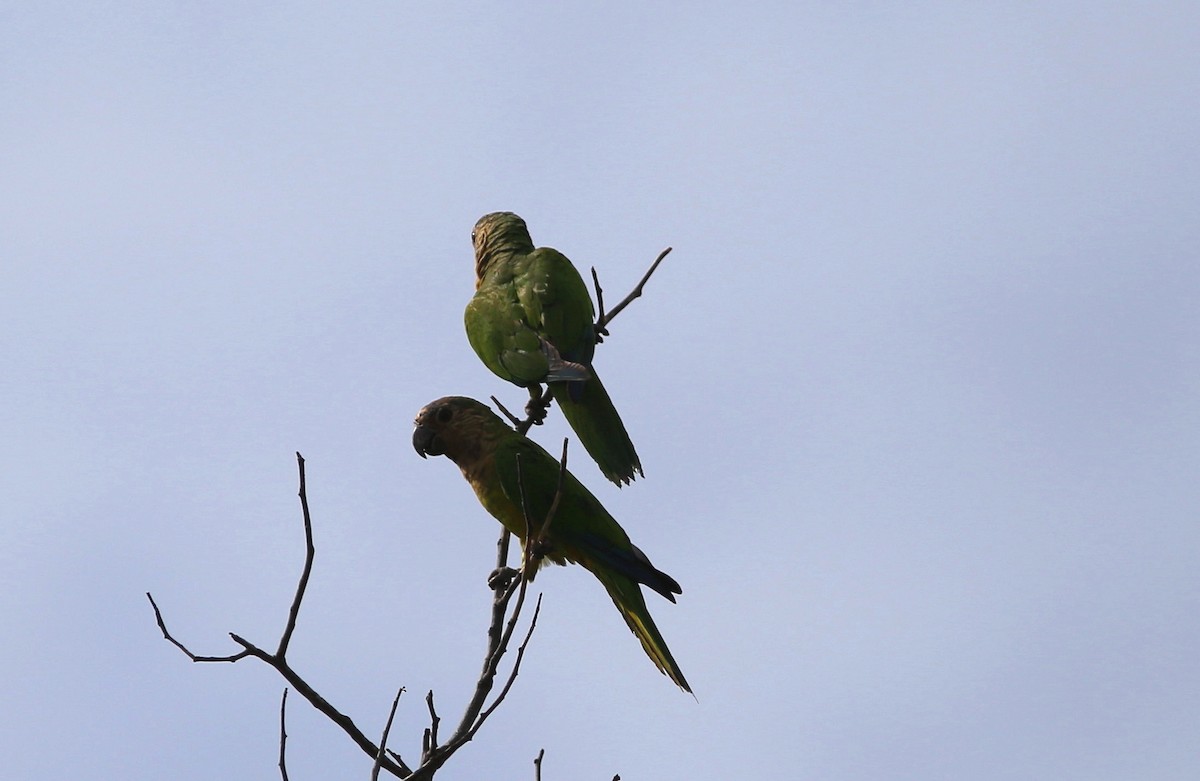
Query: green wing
[(556, 303), (515, 325), (497, 333)]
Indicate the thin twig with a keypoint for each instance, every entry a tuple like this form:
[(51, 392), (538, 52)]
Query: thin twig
[(558, 492), (513, 419), (526, 573), (607, 317), (187, 652), (432, 733), (383, 739), (537, 765), (600, 320), (318, 702), (310, 553), (283, 736)]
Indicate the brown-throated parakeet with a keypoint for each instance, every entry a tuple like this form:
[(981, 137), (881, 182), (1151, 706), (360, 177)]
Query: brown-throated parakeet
[(530, 322), (581, 531)]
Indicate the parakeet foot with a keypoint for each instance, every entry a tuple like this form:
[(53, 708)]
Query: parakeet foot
[(534, 409), (500, 578)]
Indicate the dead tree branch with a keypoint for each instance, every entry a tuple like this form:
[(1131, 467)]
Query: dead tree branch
[(433, 756), (607, 317)]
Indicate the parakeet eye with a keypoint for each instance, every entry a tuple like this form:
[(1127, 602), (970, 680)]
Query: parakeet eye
[(472, 237), (444, 414)]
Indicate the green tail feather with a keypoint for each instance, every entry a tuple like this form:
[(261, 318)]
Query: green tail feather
[(595, 421), (627, 596)]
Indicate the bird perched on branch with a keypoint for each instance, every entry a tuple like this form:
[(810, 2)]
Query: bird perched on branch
[(531, 322), (517, 481)]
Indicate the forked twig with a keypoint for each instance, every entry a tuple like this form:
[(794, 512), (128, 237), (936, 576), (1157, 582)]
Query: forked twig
[(434, 756), (607, 317), (430, 741)]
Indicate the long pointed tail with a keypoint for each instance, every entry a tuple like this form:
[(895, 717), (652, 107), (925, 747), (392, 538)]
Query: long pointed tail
[(594, 419), (627, 596)]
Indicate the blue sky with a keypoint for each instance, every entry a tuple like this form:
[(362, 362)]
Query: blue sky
[(915, 392)]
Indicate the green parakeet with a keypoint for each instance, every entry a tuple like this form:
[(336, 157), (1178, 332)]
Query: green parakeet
[(581, 531), (530, 322)]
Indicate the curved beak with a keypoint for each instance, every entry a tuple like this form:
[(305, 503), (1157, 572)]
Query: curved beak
[(425, 442)]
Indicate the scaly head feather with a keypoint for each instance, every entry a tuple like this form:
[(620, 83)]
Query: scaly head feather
[(497, 235)]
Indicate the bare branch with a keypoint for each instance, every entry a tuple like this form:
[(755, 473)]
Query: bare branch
[(558, 492), (383, 739), (607, 317), (512, 676), (502, 546), (491, 657), (537, 765), (431, 734), (527, 543), (500, 632), (601, 331), (278, 660), (310, 553), (283, 736), (513, 419), (194, 657)]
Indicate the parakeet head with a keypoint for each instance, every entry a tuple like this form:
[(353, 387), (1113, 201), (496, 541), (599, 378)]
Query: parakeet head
[(455, 427), (497, 232)]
